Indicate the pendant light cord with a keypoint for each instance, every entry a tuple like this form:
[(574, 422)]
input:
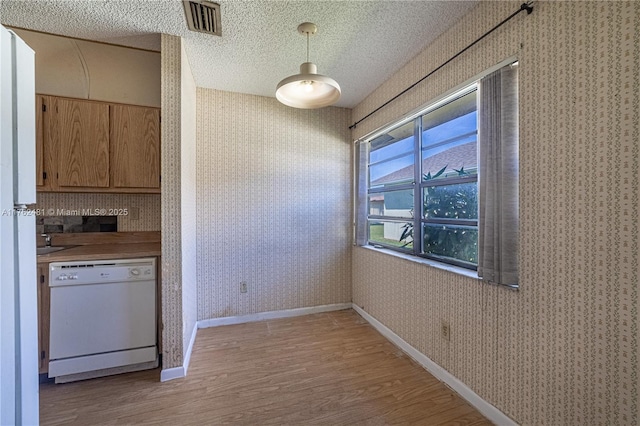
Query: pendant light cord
[(528, 6), (307, 46)]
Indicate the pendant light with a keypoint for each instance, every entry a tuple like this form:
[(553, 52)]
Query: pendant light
[(308, 89)]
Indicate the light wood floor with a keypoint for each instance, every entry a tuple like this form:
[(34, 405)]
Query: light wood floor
[(331, 368)]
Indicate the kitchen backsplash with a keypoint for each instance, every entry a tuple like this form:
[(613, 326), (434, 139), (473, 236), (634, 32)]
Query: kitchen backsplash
[(131, 212), (76, 223)]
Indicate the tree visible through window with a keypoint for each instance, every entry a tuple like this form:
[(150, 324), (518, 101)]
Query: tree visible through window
[(423, 194)]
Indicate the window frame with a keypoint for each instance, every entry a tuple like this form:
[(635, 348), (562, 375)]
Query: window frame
[(419, 184)]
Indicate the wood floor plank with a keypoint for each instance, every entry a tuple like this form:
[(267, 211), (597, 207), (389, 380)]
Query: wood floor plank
[(326, 369)]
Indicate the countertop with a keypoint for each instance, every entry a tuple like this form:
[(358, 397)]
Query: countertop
[(102, 252)]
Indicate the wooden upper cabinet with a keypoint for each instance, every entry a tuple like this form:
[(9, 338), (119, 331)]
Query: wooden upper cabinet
[(93, 146), (135, 147), (82, 138), (40, 106)]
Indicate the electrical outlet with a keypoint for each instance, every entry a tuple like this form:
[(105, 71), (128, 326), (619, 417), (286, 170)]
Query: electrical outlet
[(445, 330), (243, 287)]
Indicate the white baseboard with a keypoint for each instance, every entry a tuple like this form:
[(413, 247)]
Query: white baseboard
[(187, 356), (172, 373), (261, 316), (179, 372), (489, 411)]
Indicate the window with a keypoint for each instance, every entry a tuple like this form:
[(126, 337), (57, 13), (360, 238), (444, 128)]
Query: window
[(423, 183), (443, 183)]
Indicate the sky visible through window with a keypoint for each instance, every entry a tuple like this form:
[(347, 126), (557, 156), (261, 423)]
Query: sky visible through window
[(464, 124)]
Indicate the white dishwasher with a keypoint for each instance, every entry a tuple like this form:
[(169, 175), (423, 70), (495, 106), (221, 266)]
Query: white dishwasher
[(103, 315)]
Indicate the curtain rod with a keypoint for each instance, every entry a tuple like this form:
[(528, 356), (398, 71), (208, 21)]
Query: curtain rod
[(528, 6)]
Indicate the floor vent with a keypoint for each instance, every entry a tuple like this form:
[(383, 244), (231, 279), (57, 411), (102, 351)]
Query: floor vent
[(203, 16)]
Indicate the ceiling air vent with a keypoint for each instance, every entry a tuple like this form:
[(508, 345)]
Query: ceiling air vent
[(203, 16)]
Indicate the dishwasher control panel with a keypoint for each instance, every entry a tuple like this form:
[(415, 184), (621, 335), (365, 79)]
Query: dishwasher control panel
[(140, 272), (101, 271)]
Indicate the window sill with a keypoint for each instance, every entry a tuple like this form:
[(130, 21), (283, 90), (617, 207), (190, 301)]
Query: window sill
[(428, 262)]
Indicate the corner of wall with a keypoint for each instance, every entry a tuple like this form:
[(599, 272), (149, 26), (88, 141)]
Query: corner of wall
[(172, 319)]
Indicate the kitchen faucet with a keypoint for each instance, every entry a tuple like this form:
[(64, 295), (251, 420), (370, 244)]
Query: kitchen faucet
[(47, 239)]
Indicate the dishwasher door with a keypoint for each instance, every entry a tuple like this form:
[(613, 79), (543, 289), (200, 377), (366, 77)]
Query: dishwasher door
[(102, 315)]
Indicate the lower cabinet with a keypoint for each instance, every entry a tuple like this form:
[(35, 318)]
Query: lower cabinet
[(43, 317)]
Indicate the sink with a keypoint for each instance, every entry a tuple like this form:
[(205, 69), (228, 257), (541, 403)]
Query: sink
[(47, 250)]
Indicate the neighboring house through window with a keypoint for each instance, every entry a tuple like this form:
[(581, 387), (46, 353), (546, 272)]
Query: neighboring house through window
[(432, 159), (443, 183)]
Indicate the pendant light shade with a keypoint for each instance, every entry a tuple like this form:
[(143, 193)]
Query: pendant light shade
[(308, 89)]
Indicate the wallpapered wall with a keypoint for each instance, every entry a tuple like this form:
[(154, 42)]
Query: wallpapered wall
[(178, 187), (564, 348), (274, 205), (188, 200), (147, 205)]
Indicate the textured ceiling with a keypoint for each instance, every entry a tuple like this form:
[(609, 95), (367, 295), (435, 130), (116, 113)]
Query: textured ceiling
[(359, 43)]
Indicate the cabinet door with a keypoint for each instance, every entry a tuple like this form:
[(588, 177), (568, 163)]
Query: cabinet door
[(40, 106), (82, 129), (135, 147), (43, 317)]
